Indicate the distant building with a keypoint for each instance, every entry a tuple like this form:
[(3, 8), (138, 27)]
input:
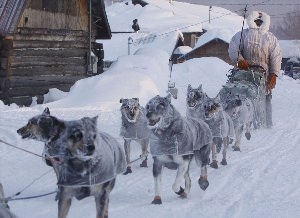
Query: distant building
[(213, 43), (45, 44), (290, 49)]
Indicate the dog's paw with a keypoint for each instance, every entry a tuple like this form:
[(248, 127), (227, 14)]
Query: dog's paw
[(248, 135), (224, 162), (214, 164), (157, 200), (236, 148), (128, 170), (144, 164), (203, 183)]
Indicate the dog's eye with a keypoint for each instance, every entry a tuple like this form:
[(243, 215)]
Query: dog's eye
[(160, 107), (94, 136), (76, 136)]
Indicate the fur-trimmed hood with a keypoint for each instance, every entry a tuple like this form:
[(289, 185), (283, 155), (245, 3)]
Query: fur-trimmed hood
[(253, 15)]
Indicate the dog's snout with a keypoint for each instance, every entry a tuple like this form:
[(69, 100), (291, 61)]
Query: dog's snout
[(149, 114), (90, 148), (19, 131)]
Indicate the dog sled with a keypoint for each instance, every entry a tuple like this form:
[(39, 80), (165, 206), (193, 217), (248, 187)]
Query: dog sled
[(249, 84)]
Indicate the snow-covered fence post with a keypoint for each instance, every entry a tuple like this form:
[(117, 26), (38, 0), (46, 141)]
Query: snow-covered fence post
[(130, 41)]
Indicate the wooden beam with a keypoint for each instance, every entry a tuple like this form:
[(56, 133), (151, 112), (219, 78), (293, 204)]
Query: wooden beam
[(49, 44), (51, 81), (48, 70), (44, 61), (48, 52)]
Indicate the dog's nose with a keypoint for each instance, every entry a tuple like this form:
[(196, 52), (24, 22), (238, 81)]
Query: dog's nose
[(90, 148), (149, 114), (19, 131)]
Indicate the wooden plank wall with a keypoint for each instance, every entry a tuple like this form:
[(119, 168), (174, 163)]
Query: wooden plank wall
[(36, 60)]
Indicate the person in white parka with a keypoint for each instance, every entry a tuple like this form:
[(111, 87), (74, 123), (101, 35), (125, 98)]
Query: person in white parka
[(258, 47)]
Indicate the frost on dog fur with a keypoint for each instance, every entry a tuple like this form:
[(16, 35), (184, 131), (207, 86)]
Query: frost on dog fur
[(134, 128), (90, 157), (174, 141)]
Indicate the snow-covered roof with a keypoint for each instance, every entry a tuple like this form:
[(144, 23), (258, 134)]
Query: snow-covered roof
[(118, 45), (162, 20), (182, 50), (290, 48), (224, 34)]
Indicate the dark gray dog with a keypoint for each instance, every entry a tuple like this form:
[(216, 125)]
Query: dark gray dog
[(194, 100), (241, 110), (173, 143), (221, 126), (134, 128), (86, 161)]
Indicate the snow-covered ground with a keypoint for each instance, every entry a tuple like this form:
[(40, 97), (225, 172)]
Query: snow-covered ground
[(261, 181)]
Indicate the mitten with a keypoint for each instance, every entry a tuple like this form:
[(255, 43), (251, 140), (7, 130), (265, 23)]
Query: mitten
[(243, 65), (271, 81)]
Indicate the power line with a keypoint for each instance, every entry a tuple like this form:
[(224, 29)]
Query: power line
[(259, 4)]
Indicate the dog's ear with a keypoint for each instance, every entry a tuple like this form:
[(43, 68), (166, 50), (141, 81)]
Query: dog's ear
[(46, 111), (95, 119), (137, 99), (189, 87), (200, 88), (217, 99), (121, 100), (169, 98)]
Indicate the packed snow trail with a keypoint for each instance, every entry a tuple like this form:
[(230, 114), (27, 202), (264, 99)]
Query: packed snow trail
[(260, 181)]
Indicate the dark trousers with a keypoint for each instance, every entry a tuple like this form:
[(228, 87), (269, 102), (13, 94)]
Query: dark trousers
[(269, 122)]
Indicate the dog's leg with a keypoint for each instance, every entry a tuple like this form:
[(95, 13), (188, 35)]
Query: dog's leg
[(127, 153), (181, 171), (64, 201), (202, 159), (144, 146), (238, 135), (157, 170), (248, 134), (214, 163), (102, 198), (187, 179), (225, 147)]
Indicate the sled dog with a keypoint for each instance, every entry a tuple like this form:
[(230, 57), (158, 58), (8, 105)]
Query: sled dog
[(174, 141), (241, 110), (89, 160), (134, 128), (194, 100), (221, 126)]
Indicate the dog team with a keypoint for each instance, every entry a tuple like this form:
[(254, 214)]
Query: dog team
[(87, 161)]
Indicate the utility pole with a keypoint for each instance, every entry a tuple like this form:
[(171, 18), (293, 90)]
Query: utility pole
[(89, 67), (209, 10)]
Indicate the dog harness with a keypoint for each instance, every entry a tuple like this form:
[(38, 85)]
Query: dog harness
[(193, 135)]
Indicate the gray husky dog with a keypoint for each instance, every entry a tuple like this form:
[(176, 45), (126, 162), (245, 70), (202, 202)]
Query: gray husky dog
[(173, 143), (195, 99), (221, 126), (241, 110), (200, 106), (85, 160), (134, 128)]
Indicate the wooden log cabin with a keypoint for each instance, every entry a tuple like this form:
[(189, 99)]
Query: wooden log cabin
[(46, 44)]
